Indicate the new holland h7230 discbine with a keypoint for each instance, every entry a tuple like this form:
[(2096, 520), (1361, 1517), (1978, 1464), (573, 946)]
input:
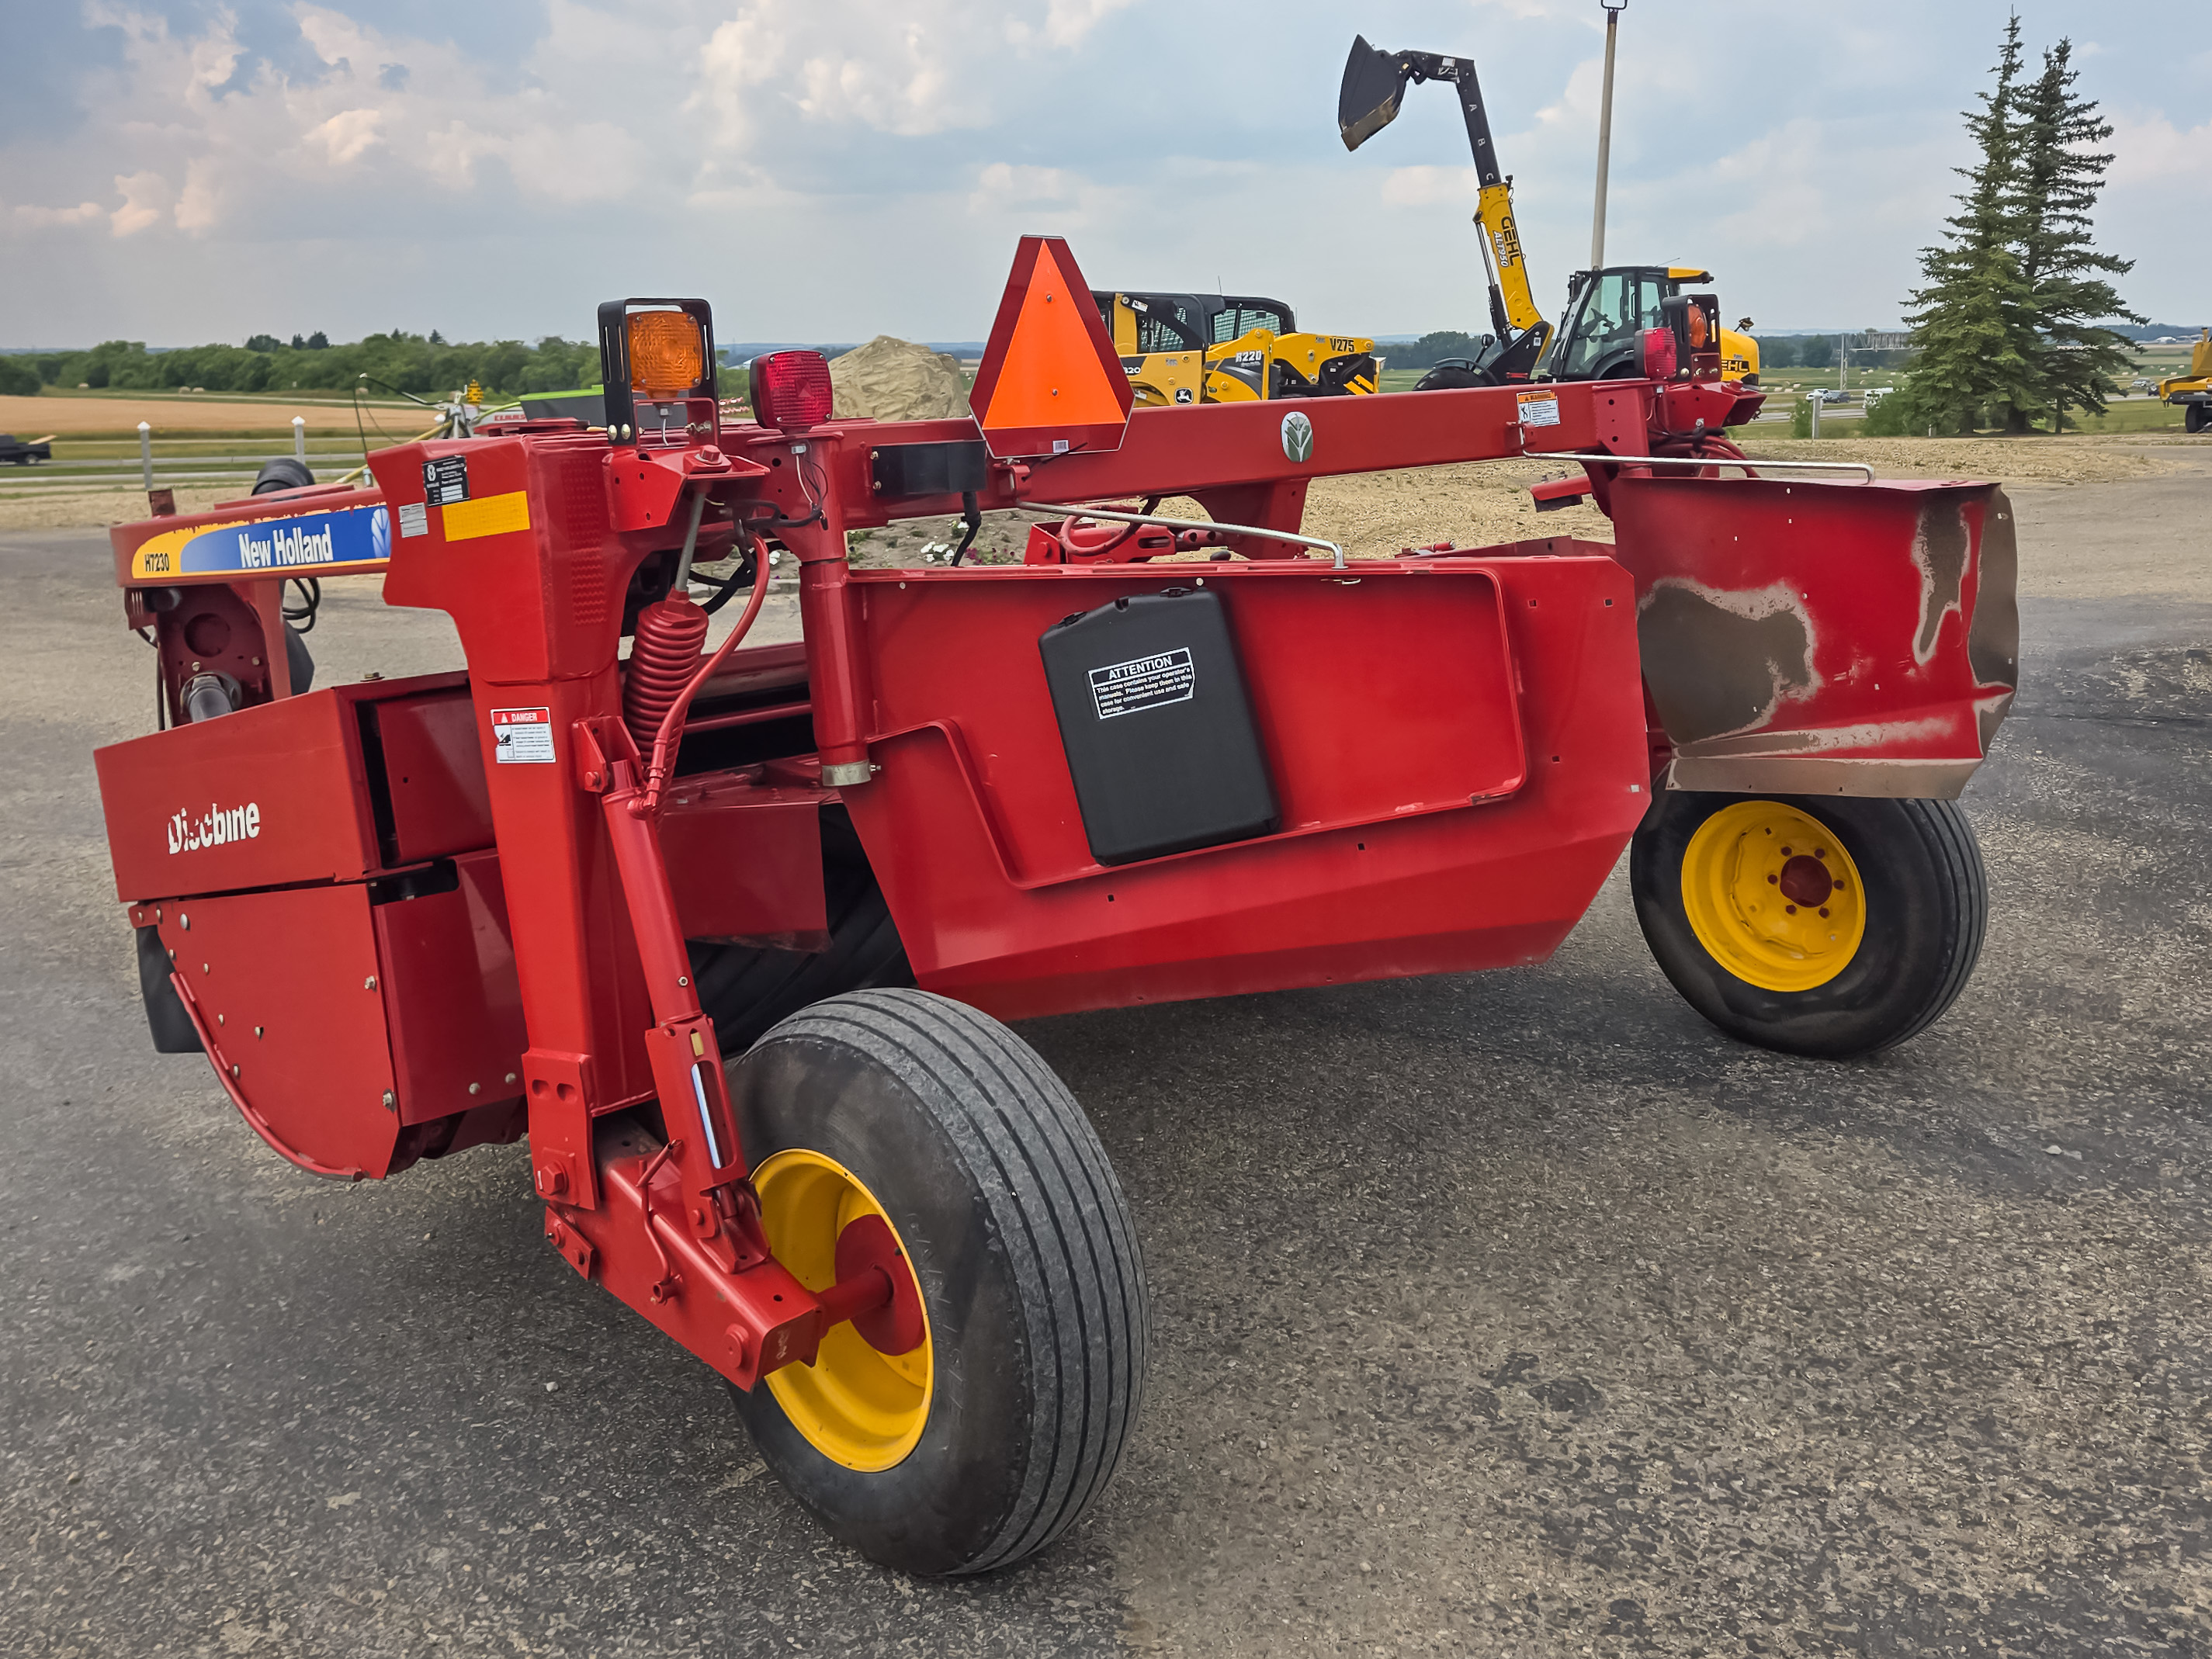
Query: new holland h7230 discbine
[(727, 933)]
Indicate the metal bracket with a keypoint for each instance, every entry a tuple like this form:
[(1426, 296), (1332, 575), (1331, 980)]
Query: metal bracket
[(1292, 536), (575, 1249), (1746, 462)]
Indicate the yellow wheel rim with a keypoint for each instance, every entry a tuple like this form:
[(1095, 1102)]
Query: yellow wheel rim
[(1773, 896), (855, 1406)]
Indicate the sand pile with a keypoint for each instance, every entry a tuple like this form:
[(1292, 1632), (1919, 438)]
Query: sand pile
[(894, 379)]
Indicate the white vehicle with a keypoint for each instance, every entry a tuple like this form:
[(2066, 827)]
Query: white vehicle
[(1874, 394)]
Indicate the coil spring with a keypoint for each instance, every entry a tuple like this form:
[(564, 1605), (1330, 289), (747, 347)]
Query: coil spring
[(664, 653)]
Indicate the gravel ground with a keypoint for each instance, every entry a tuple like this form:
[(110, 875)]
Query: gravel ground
[(1516, 1314)]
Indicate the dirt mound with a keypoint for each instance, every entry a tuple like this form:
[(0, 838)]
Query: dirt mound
[(894, 379)]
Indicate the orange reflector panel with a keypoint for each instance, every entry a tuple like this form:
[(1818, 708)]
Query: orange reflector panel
[(1050, 382), (667, 355)]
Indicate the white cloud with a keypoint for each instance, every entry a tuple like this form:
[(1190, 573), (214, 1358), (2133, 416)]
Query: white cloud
[(1426, 186), (33, 217), (2150, 149), (146, 200), (1066, 22), (910, 68), (1002, 185), (846, 166), (1021, 198), (347, 133)]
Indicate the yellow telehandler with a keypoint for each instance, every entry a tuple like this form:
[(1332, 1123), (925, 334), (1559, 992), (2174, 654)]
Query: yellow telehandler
[(1607, 310), (2192, 391)]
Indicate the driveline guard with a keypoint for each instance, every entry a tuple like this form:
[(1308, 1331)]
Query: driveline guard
[(1157, 727)]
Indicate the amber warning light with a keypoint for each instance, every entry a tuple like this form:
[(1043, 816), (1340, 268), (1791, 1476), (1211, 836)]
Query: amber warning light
[(667, 355), (657, 370)]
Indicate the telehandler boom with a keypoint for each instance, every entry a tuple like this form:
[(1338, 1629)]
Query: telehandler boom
[(1606, 309)]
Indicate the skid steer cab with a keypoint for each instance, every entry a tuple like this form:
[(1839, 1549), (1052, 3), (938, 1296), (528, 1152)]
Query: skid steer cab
[(726, 931), (1221, 349)]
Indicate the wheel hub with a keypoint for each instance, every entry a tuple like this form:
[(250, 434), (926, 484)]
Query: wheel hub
[(1772, 896), (1806, 880), (865, 1399)]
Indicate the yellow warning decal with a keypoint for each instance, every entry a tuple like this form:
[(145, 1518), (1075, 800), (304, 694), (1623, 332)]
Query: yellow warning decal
[(495, 515)]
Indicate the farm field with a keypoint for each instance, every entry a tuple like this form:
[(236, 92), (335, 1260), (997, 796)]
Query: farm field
[(84, 415)]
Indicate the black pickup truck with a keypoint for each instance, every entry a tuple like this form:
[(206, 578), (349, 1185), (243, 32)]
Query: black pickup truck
[(22, 452)]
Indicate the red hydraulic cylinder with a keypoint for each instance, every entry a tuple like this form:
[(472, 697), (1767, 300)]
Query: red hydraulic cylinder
[(837, 674)]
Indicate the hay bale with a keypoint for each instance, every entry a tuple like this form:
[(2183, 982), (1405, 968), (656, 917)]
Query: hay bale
[(894, 379)]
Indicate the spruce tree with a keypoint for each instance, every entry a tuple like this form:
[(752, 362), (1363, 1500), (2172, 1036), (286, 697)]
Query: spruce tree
[(1973, 322), (2059, 176)]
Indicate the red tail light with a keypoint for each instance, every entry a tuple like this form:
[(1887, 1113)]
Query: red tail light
[(1659, 363), (791, 390)]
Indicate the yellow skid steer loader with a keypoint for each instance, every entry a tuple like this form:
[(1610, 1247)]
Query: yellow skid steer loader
[(1229, 349)]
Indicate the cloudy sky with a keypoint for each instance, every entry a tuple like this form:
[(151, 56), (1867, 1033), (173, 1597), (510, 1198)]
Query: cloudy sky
[(179, 171)]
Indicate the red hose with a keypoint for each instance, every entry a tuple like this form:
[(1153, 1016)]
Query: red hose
[(661, 757), (663, 652)]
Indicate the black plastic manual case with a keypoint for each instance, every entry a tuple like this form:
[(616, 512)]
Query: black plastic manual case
[(1157, 726)]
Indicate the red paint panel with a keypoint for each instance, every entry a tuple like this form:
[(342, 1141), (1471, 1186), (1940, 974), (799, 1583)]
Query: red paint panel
[(450, 990), (745, 863), (267, 795), (1853, 604), (433, 773), (289, 982), (1385, 708)]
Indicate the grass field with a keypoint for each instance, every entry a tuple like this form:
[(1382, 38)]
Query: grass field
[(84, 414), (205, 449)]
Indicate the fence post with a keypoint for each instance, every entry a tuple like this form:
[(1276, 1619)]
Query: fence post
[(299, 436), (146, 453), (1816, 418)]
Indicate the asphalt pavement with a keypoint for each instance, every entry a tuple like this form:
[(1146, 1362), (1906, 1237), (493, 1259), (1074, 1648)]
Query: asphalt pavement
[(1512, 1313)]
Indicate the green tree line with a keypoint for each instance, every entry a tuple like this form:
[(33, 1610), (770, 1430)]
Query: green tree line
[(1430, 349), (425, 365), (1796, 352)]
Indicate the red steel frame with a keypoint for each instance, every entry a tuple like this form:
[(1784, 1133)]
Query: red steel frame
[(1461, 741)]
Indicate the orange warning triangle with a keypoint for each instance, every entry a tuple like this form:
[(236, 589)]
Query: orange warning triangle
[(1050, 379)]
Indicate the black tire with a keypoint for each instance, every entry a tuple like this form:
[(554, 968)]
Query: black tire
[(1453, 374), (1926, 905), (285, 472), (1027, 1260), (299, 659), (748, 988), (2194, 417)]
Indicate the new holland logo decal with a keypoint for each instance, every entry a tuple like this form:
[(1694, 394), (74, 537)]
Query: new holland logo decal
[(1297, 437)]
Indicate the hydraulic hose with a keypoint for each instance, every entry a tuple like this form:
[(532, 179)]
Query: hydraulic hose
[(671, 730)]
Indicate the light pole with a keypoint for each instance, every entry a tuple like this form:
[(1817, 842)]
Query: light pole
[(1613, 10)]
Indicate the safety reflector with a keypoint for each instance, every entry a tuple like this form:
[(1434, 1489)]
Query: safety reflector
[(1050, 382)]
